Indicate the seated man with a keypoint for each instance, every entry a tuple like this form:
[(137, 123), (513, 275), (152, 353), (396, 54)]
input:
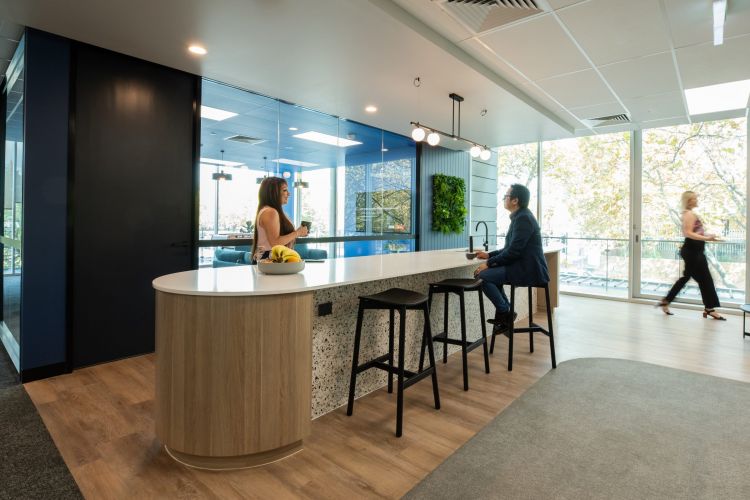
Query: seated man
[(520, 262)]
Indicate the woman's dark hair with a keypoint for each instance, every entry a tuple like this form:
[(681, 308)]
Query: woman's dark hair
[(521, 193), (269, 195)]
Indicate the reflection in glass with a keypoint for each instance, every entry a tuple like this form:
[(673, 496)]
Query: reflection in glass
[(346, 178), (13, 201)]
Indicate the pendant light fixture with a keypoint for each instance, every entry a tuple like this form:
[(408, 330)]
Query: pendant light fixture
[(420, 131), (220, 175), (258, 180)]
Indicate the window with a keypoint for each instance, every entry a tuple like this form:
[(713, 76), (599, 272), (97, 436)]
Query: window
[(346, 178)]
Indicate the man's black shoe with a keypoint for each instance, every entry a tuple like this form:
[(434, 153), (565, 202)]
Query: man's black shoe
[(502, 318)]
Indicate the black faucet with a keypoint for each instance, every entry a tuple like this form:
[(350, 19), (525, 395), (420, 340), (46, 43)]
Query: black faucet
[(486, 235)]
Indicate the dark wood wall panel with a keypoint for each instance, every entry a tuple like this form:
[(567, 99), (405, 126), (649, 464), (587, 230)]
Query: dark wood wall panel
[(132, 196)]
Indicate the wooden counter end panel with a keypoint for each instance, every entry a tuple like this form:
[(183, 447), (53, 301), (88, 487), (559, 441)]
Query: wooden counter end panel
[(233, 373)]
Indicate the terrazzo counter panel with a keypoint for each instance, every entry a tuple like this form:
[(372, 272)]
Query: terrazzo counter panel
[(238, 352)]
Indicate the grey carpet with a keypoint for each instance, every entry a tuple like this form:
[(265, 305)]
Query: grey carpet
[(608, 428), (30, 465)]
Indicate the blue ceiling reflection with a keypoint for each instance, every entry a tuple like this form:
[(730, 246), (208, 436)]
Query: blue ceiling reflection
[(266, 129)]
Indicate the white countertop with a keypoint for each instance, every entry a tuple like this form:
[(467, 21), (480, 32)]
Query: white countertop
[(247, 280)]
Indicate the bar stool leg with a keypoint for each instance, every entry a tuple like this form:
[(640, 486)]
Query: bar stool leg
[(431, 352), (424, 342), (510, 326), (464, 358), (531, 323), (445, 327), (355, 360), (549, 327), (484, 332), (400, 394), (390, 351)]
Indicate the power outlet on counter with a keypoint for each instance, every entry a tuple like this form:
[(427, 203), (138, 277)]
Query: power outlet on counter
[(325, 309)]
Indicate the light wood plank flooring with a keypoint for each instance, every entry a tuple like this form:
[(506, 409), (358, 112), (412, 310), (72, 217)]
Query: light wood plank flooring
[(101, 418)]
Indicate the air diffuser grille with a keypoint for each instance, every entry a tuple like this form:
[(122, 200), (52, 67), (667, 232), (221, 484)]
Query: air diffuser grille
[(245, 139)]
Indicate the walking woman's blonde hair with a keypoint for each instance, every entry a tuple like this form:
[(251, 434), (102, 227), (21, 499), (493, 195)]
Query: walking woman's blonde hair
[(686, 196)]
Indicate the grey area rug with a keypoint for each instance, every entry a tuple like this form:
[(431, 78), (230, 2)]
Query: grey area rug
[(30, 465), (608, 428)]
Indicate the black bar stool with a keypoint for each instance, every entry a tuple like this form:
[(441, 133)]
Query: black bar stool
[(394, 299), (531, 329), (459, 286)]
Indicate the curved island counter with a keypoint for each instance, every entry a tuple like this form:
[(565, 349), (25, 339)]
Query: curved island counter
[(244, 360)]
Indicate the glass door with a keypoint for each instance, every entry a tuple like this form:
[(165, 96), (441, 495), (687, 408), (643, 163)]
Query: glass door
[(709, 158)]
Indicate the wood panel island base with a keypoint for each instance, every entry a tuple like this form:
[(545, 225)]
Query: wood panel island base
[(243, 361)]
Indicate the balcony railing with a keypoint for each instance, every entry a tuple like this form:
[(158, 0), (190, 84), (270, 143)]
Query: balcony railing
[(600, 266)]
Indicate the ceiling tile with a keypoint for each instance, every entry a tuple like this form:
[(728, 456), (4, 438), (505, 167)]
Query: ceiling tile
[(691, 21), (584, 88), (598, 110), (437, 18), (539, 48), (707, 64), (643, 76), (655, 107), (487, 57), (665, 122), (614, 30), (11, 30), (559, 4)]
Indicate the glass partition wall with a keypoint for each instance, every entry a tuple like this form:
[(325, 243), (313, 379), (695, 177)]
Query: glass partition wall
[(353, 182), (11, 239), (623, 243)]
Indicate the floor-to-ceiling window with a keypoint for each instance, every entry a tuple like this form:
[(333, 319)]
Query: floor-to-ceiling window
[(586, 202), (11, 239), (585, 208), (353, 183), (516, 165), (709, 158)]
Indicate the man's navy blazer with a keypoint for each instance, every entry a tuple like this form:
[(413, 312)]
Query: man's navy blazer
[(522, 256)]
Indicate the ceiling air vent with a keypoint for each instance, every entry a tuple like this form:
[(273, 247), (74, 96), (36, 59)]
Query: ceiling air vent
[(245, 139), (484, 15), (604, 121)]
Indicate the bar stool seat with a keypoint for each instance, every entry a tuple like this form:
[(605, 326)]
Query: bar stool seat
[(394, 299), (459, 286), (531, 329)]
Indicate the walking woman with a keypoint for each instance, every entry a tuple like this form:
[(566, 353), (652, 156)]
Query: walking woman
[(696, 265)]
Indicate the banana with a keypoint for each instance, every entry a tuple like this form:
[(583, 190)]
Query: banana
[(280, 253)]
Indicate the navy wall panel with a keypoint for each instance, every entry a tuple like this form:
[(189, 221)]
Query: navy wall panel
[(43, 289)]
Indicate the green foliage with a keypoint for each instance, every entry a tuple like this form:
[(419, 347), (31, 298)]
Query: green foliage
[(448, 204)]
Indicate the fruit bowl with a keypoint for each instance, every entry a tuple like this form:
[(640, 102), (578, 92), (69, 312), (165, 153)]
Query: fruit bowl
[(280, 267)]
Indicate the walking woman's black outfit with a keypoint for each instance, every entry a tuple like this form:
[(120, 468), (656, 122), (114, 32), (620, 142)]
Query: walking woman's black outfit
[(696, 267)]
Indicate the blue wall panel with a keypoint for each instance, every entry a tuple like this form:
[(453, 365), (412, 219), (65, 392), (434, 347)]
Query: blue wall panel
[(43, 288), (484, 199), (439, 160)]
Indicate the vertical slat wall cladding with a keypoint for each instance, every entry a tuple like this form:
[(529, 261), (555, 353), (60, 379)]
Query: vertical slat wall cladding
[(437, 160), (484, 199)]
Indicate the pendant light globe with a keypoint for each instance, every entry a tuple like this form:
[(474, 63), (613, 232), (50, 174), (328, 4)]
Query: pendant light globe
[(433, 139)]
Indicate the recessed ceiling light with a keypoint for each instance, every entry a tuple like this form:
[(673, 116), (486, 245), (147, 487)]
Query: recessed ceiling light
[(720, 12), (293, 128), (722, 97), (197, 49), (296, 163), (331, 140), (371, 109), (384, 150), (216, 113), (220, 163)]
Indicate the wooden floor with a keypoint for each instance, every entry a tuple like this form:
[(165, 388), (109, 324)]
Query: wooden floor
[(101, 418)]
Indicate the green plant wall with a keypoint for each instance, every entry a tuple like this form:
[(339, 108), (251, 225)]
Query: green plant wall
[(448, 204)]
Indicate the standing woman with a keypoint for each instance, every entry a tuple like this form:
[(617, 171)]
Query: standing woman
[(272, 226), (696, 265)]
